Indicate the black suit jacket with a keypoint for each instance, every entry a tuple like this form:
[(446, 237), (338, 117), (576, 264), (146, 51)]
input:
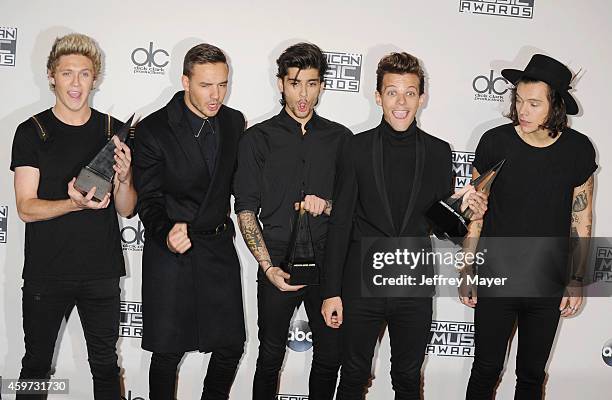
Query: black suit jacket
[(191, 301), (361, 204)]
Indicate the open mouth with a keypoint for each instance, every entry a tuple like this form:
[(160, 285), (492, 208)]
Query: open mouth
[(403, 114), (213, 106), (73, 94), (302, 106)]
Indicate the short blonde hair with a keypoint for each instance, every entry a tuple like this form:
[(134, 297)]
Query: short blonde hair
[(75, 43)]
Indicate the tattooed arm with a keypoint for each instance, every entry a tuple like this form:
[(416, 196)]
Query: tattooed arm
[(467, 294), (253, 237), (582, 217)]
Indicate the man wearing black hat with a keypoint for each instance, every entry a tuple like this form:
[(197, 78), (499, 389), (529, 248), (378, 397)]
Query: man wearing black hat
[(544, 191)]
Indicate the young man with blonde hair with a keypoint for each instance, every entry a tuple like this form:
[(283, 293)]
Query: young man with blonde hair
[(73, 251)]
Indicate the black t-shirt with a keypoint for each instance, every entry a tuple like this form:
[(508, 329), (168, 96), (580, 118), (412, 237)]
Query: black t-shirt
[(532, 195), (82, 244)]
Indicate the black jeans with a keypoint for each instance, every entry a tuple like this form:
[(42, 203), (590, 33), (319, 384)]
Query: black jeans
[(494, 320), (45, 303), (274, 310), (409, 324), (219, 376)]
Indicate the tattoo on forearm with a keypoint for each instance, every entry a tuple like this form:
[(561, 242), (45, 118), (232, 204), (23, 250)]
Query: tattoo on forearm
[(588, 229), (251, 232), (580, 202), (575, 218)]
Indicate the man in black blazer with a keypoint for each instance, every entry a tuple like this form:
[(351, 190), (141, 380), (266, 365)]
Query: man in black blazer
[(387, 178), (191, 288)]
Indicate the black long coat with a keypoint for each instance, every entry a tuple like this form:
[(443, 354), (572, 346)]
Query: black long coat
[(191, 301)]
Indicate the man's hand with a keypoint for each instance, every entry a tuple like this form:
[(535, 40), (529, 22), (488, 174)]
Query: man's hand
[(571, 302), (123, 160), (178, 241), (332, 312), (476, 201), (312, 204), (278, 277), (80, 202)]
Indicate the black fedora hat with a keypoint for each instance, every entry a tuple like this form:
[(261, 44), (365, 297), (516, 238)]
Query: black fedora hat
[(551, 71)]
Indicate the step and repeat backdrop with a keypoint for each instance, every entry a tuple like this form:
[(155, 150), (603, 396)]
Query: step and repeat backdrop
[(463, 45)]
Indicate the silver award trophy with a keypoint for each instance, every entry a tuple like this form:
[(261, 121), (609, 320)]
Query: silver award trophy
[(449, 222), (99, 172)]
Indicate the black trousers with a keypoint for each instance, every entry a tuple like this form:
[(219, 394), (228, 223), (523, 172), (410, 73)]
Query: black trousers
[(219, 376), (274, 312), (409, 324), (44, 305), (494, 321)]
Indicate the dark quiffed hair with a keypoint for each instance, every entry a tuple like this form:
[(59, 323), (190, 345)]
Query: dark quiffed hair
[(400, 63), (302, 56), (556, 120), (203, 53)]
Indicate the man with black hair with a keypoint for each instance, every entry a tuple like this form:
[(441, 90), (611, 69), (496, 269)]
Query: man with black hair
[(289, 154), (544, 192), (191, 286)]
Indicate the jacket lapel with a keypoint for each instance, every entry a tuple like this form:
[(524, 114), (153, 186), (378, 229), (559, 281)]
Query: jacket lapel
[(181, 129), (379, 177)]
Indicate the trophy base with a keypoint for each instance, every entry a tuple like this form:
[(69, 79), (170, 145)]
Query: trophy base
[(302, 272), (448, 223), (88, 179)]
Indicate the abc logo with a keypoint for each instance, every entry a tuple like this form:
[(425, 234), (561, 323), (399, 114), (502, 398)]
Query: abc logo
[(133, 235), (142, 57), (300, 337), (606, 353), (483, 84)]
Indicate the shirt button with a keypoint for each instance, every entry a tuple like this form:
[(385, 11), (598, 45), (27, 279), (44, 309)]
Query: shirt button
[(303, 161)]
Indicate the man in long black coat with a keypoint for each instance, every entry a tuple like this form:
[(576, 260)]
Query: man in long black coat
[(191, 288)]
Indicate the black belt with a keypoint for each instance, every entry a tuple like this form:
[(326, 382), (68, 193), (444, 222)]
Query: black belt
[(222, 227)]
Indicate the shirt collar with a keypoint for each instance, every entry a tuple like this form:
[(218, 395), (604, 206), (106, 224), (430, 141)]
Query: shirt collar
[(291, 123)]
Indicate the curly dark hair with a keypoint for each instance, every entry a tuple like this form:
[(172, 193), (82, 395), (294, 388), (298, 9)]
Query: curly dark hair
[(556, 121), (400, 63)]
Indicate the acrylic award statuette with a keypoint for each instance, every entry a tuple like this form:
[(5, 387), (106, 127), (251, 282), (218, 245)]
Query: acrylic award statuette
[(449, 222), (300, 262), (99, 172)]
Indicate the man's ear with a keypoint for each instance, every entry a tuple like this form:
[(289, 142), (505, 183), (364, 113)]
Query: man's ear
[(378, 98), (422, 99), (185, 82), (50, 77), (280, 85)]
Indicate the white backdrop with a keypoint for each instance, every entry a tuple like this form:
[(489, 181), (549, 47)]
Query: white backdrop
[(462, 53)]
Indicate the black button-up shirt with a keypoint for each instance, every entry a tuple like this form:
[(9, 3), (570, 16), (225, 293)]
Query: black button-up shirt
[(276, 163), (206, 132)]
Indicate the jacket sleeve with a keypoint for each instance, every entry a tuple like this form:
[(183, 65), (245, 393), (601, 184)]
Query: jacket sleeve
[(340, 223), (148, 171)]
